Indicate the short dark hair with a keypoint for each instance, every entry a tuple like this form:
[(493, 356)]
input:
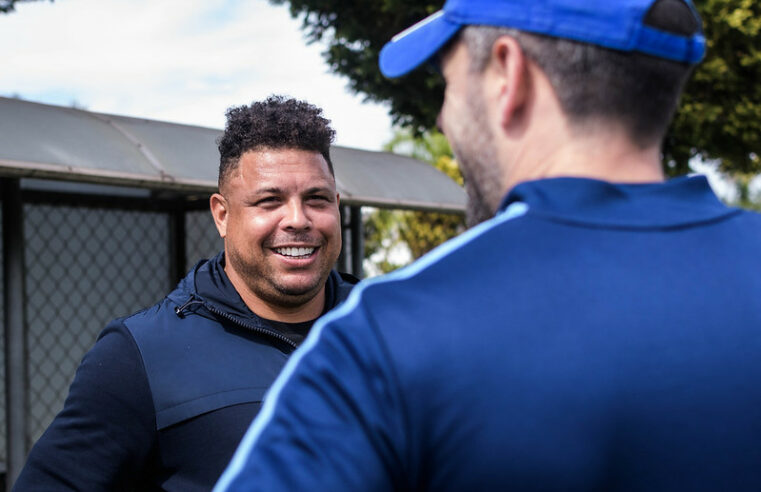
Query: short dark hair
[(595, 84), (275, 123)]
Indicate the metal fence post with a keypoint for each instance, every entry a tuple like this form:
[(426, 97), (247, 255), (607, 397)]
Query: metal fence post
[(15, 336), (177, 249), (344, 257), (357, 242)]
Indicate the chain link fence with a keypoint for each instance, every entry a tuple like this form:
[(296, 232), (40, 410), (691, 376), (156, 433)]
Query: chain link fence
[(202, 239), (84, 266)]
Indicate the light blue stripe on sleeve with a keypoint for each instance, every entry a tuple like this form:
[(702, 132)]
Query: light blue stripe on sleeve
[(238, 461)]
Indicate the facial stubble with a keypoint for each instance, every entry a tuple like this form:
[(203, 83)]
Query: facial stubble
[(264, 284), (473, 146)]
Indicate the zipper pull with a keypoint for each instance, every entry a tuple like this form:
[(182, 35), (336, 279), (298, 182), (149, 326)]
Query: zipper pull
[(178, 310)]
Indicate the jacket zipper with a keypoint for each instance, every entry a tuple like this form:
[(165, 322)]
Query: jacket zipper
[(256, 329), (192, 300)]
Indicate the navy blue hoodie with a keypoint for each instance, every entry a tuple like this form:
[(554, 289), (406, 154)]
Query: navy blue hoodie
[(165, 395)]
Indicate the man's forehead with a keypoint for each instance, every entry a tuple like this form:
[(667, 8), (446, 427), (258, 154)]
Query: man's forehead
[(281, 169), (277, 153), (282, 160)]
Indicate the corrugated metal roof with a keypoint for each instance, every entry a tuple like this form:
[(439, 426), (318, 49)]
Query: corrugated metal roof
[(52, 142)]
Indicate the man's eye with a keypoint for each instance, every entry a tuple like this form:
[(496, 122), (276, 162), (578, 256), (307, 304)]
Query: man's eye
[(267, 200)]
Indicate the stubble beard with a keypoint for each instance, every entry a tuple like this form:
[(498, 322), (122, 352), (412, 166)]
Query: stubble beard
[(477, 157), (263, 283)]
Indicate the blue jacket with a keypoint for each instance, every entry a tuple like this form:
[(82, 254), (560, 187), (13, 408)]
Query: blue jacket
[(165, 395), (591, 336)]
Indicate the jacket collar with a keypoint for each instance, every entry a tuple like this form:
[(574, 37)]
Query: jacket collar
[(673, 203)]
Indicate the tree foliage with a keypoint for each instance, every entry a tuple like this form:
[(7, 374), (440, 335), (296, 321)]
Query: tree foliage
[(719, 119), (355, 31), (720, 115), (418, 232), (423, 231)]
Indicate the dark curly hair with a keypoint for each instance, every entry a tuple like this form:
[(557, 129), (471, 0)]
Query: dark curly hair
[(275, 123)]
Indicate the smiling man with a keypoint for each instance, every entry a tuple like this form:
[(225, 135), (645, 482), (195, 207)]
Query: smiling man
[(277, 211), (164, 397)]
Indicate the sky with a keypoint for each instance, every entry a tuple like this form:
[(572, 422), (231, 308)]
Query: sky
[(183, 61)]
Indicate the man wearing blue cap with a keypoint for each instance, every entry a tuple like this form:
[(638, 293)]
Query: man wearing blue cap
[(600, 329)]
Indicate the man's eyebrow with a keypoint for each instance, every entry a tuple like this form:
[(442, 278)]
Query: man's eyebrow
[(255, 194), (318, 189), (274, 190), (266, 190)]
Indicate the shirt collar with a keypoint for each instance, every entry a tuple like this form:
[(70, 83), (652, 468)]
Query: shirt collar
[(679, 201)]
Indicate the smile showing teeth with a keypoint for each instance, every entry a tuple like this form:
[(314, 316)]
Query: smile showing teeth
[(295, 252)]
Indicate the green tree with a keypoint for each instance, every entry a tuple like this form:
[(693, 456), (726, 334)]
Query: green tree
[(418, 232), (719, 119), (720, 115), (747, 196), (355, 31)]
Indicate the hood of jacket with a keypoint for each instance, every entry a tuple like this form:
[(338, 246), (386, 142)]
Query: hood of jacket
[(206, 290)]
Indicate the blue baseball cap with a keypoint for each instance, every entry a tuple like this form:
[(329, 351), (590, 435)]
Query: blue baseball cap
[(614, 24)]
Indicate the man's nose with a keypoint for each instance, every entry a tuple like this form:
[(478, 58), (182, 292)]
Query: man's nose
[(296, 217)]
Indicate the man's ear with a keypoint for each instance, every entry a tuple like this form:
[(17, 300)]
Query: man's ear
[(338, 199), (511, 69), (218, 205)]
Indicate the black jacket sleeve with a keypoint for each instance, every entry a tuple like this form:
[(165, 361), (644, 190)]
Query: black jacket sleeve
[(103, 437)]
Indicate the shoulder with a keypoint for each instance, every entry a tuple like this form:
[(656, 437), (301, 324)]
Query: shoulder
[(407, 306), (753, 217), (453, 260), (113, 367), (197, 364), (417, 305), (152, 321), (115, 341)]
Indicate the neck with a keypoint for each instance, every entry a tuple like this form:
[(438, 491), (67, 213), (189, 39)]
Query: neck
[(299, 311), (309, 311), (606, 155), (540, 142)]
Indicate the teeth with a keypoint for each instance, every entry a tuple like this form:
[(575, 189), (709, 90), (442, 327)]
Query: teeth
[(295, 252)]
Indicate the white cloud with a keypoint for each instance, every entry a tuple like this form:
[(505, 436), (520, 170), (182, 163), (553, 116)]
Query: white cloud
[(176, 60)]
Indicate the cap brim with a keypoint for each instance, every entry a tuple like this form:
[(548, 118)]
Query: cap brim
[(413, 46)]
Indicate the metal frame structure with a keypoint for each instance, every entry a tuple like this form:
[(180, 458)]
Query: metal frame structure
[(14, 322)]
